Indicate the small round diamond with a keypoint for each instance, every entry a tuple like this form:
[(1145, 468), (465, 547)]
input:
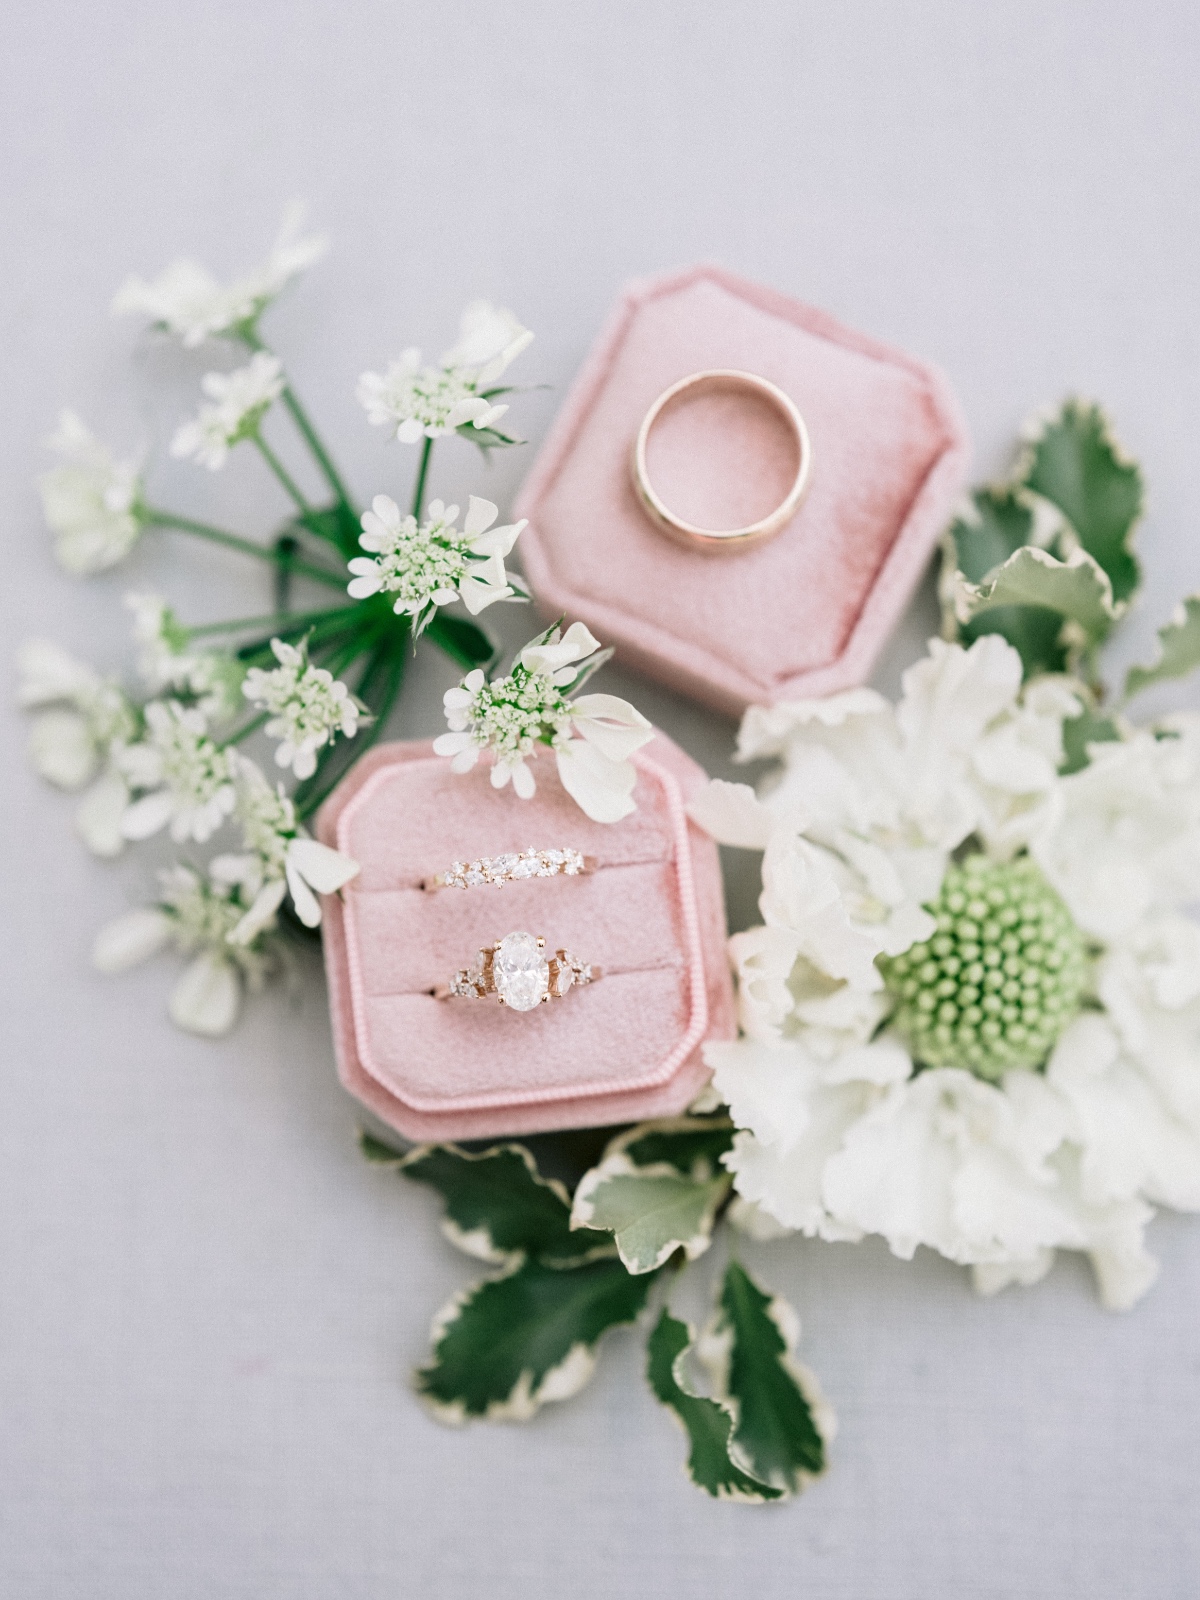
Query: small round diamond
[(520, 971)]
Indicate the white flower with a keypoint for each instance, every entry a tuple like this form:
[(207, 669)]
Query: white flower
[(513, 717), (186, 300), (186, 778), (426, 402), (309, 706), (214, 678), (90, 502), (197, 915), (281, 859), (240, 401), (80, 724), (972, 1017), (434, 564)]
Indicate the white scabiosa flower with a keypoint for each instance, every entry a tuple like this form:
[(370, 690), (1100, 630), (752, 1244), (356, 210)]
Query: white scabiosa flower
[(309, 706), (279, 859), (186, 300), (972, 1017), (90, 502), (80, 723), (185, 779), (418, 402), (196, 915), (513, 718), (240, 400), (434, 564)]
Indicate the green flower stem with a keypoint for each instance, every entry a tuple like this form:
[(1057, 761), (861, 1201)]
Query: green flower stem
[(284, 619), (154, 518), (245, 731), (422, 474), (386, 663), (281, 472), (321, 635), (249, 337)]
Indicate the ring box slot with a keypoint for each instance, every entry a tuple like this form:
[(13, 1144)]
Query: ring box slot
[(650, 915)]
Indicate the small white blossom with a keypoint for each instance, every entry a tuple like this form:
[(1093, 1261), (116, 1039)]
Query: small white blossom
[(434, 564), (197, 915), (426, 402), (281, 859), (185, 299), (80, 723), (186, 778), (309, 706), (90, 501), (972, 1016), (240, 401), (165, 662), (512, 718)]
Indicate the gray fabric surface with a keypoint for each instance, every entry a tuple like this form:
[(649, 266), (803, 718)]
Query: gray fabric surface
[(208, 1302)]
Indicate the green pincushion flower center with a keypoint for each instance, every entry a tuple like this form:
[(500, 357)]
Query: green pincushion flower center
[(999, 980)]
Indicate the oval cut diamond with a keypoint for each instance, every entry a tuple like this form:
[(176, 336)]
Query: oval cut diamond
[(520, 971)]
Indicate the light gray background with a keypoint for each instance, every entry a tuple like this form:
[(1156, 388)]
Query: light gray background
[(208, 1303)]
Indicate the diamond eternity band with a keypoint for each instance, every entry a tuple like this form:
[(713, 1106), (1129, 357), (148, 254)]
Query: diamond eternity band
[(511, 868)]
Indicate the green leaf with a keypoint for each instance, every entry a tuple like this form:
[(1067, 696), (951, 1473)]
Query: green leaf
[(1081, 731), (1178, 650), (462, 640), (486, 438), (1075, 463), (1002, 522), (1076, 587), (708, 1423), (337, 524), (657, 1190), (510, 1344), (498, 1207), (774, 1400)]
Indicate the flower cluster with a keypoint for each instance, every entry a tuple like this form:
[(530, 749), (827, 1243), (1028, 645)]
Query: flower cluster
[(240, 400), (166, 660), (972, 1016), (186, 300), (184, 777), (511, 718), (433, 564), (309, 707), (426, 402), (90, 502)]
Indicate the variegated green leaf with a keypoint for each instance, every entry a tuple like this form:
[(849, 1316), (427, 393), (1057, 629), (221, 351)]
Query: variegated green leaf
[(782, 1421), (498, 1207), (1076, 587), (1178, 652), (707, 1423), (508, 1345), (1075, 462), (1078, 733)]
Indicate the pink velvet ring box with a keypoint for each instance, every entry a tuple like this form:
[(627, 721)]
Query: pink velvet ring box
[(802, 615), (651, 915)]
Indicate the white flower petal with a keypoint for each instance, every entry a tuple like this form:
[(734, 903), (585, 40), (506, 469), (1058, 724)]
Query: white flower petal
[(615, 727), (147, 815), (602, 789), (131, 938), (733, 814), (325, 869), (61, 749), (99, 814), (207, 998)]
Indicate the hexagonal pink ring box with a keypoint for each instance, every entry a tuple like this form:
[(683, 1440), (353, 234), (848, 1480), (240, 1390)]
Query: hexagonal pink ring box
[(803, 614)]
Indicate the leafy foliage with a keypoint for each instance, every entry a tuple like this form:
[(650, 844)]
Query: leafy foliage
[(1000, 523), (708, 1423), (1077, 588), (1179, 650)]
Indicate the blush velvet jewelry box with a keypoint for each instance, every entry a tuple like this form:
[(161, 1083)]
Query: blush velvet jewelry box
[(650, 915), (804, 614)]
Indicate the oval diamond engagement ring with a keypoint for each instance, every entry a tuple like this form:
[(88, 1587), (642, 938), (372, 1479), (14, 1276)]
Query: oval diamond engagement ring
[(517, 971)]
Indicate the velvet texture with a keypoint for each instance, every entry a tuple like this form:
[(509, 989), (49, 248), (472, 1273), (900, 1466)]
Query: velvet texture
[(651, 915), (808, 612)]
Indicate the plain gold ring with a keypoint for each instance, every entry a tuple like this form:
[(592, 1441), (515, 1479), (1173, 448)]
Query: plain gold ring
[(718, 539)]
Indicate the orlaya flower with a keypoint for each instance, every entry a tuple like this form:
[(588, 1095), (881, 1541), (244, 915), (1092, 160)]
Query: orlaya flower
[(514, 717), (240, 400), (184, 777), (166, 661), (434, 564), (426, 402), (972, 1016), (90, 502), (310, 706), (186, 300)]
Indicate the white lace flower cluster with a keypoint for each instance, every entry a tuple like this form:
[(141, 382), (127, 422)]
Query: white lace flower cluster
[(433, 564), (90, 502), (213, 678), (972, 1017), (512, 718), (309, 707), (186, 300), (418, 402), (240, 399)]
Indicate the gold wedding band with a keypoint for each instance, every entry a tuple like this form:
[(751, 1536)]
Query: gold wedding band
[(714, 539)]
